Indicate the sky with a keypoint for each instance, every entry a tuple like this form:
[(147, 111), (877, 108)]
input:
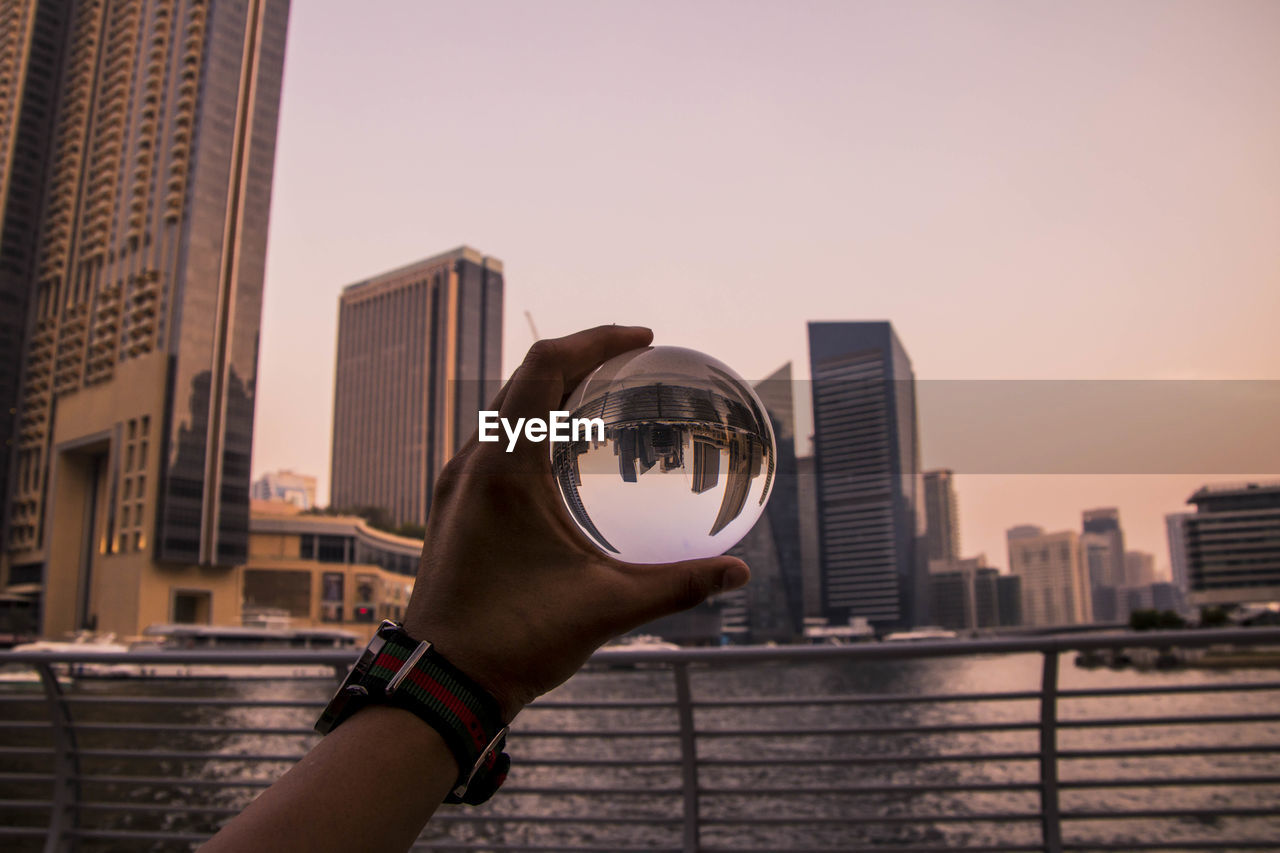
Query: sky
[(1028, 191)]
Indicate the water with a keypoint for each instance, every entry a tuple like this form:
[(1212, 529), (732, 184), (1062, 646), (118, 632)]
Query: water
[(767, 789), (686, 462)]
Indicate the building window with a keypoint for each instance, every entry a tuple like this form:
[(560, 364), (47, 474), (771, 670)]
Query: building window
[(279, 590), (332, 549)]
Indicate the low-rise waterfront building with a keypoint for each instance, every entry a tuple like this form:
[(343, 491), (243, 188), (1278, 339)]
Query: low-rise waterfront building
[(326, 571)]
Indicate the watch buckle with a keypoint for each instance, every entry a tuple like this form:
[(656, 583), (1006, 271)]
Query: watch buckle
[(461, 790)]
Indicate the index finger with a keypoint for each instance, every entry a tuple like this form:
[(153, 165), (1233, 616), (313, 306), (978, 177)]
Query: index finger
[(554, 367)]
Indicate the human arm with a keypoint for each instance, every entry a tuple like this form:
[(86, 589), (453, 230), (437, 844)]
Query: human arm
[(510, 592)]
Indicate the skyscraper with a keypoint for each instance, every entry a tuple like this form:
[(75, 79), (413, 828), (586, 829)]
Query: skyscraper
[(1102, 552), (1175, 529), (1105, 522), (287, 486), (867, 462), (139, 145), (771, 607), (1139, 568), (419, 355), (1054, 581), (942, 526)]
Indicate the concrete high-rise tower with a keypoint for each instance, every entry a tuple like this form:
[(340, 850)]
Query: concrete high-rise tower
[(419, 355), (867, 464), (1054, 580), (942, 530), (138, 144)]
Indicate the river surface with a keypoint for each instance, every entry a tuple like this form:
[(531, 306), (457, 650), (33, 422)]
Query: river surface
[(763, 804)]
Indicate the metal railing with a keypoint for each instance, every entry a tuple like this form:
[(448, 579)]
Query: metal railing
[(742, 748)]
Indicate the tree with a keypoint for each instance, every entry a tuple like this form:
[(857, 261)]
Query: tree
[(1213, 617)]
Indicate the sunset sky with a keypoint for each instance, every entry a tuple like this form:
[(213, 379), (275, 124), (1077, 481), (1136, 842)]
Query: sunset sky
[(1030, 191)]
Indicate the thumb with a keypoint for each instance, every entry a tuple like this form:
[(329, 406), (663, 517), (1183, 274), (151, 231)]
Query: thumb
[(660, 590)]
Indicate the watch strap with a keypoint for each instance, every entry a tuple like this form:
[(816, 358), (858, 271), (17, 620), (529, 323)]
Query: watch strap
[(400, 671)]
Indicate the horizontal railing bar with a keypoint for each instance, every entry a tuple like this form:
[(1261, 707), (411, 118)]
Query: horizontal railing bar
[(21, 751), (602, 704), (977, 817), (26, 804), (868, 759), (268, 757), (557, 790), (598, 762), (135, 754), (136, 808), (469, 817), (136, 835), (872, 789), (594, 733), (1168, 752), (24, 778), (1162, 782), (301, 732), (188, 700), (228, 678), (536, 848), (870, 730), (171, 781), (1099, 692), (1224, 844), (727, 654), (1192, 720), (886, 699), (985, 848), (1158, 814), (191, 730), (24, 831)]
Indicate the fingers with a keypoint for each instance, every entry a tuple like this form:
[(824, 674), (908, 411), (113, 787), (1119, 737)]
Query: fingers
[(554, 367), (654, 591)]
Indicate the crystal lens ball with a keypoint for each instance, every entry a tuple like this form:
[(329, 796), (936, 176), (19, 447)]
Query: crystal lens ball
[(686, 464)]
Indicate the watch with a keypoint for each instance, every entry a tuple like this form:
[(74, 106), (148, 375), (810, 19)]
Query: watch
[(402, 672)]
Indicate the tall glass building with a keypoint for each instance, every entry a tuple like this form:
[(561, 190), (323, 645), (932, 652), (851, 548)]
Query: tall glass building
[(138, 142), (867, 466), (419, 355)]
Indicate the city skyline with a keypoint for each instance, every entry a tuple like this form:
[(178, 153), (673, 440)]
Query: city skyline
[(982, 177)]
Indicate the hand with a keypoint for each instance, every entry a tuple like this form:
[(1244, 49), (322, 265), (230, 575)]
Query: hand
[(509, 590)]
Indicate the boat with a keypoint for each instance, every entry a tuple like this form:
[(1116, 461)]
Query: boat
[(931, 632), (187, 638), (84, 644)]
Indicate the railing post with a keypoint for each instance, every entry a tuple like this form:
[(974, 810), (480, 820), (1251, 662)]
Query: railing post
[(688, 757), (66, 765), (1050, 818)]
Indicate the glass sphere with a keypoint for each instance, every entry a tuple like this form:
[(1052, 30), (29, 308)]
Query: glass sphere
[(686, 464)]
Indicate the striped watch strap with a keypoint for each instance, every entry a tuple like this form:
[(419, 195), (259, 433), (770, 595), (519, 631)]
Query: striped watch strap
[(398, 670)]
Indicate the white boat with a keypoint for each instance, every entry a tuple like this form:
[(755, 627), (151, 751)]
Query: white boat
[(85, 645), (931, 632), (187, 638)]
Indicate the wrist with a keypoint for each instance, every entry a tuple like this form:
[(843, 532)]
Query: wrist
[(397, 670)]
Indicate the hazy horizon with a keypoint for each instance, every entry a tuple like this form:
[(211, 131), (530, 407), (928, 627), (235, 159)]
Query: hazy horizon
[(1027, 191)]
